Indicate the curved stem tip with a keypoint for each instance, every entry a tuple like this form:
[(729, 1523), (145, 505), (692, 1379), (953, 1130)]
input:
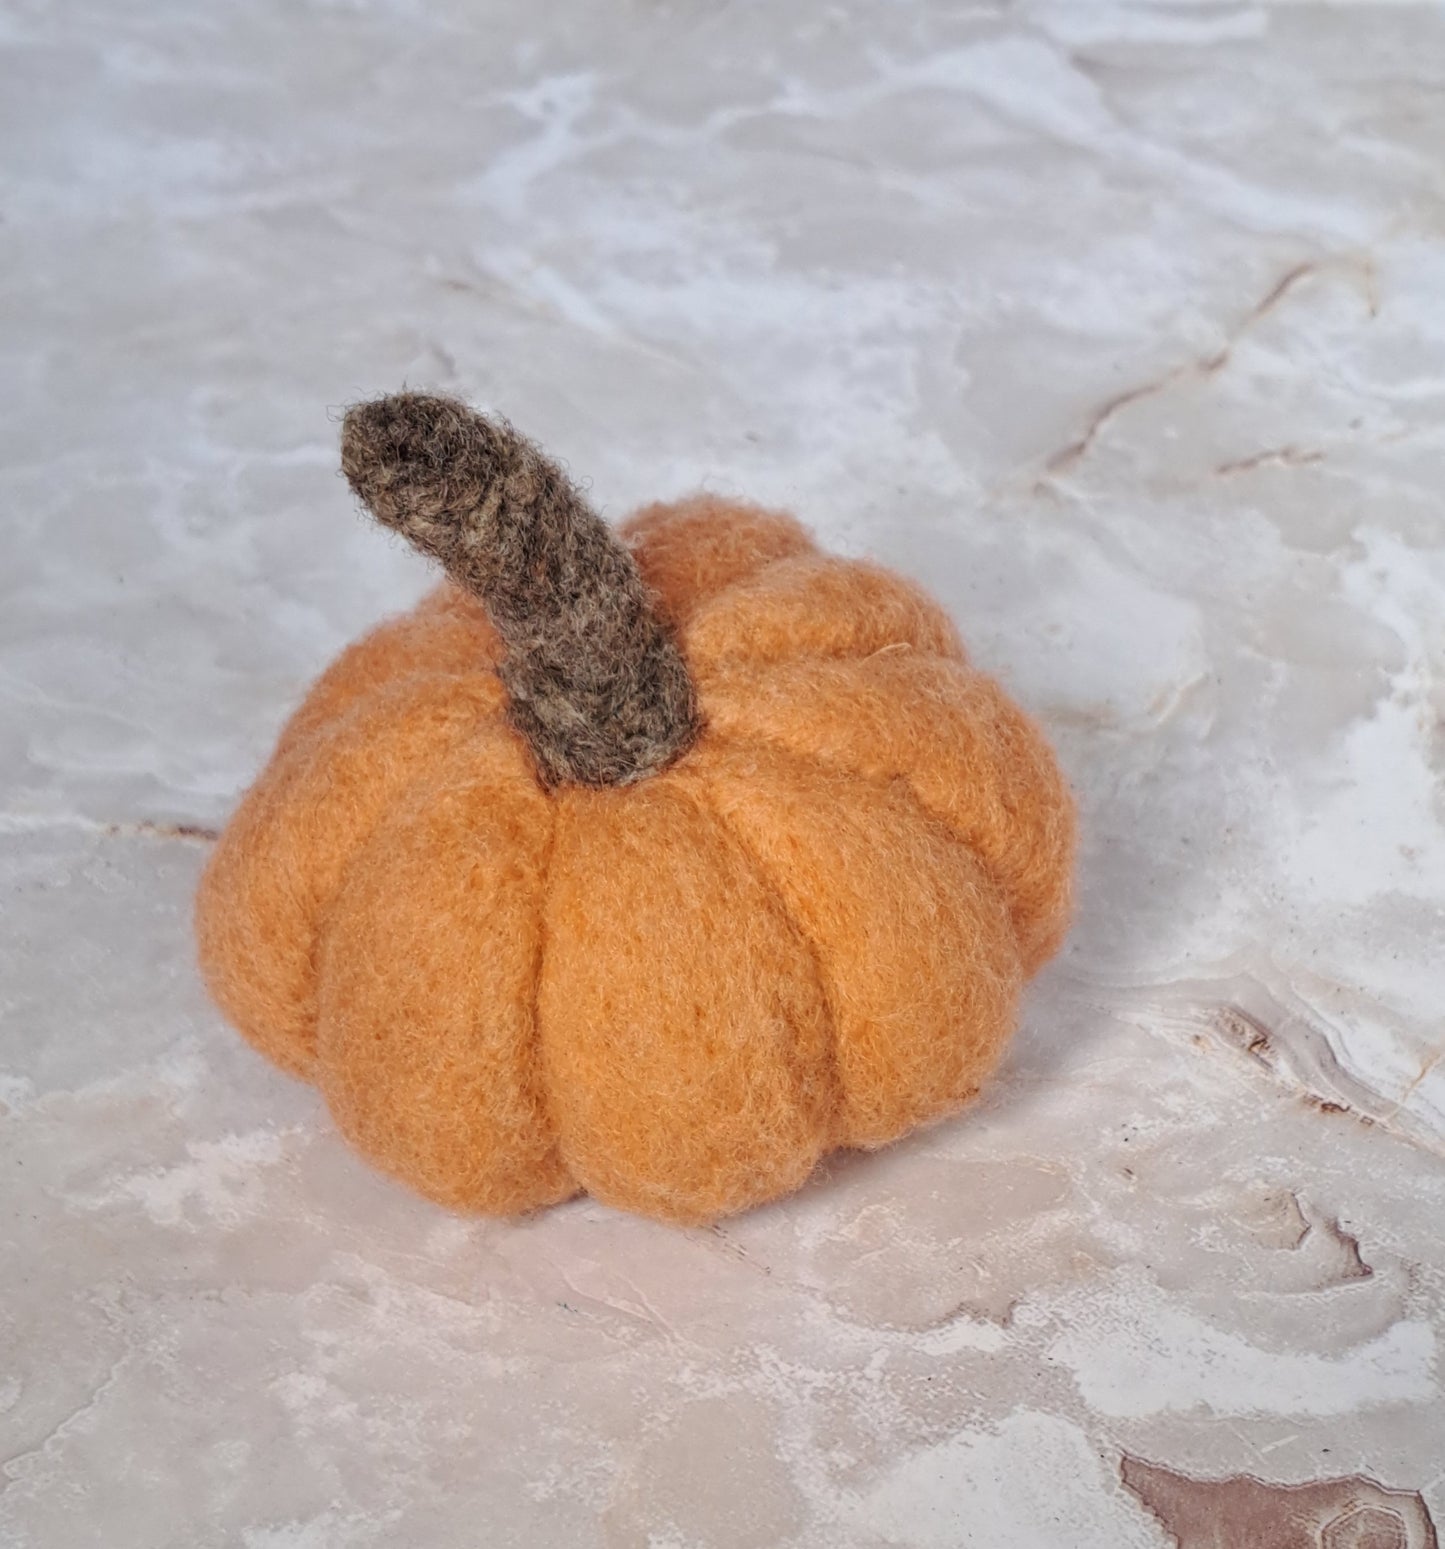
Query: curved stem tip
[(598, 686)]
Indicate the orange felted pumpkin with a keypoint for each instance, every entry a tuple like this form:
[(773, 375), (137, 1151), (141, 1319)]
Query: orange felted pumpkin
[(652, 863)]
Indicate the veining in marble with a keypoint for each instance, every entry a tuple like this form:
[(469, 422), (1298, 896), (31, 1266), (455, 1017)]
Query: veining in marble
[(1118, 323)]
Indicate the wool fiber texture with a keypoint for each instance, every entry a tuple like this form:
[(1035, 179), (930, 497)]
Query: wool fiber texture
[(594, 681), (756, 872)]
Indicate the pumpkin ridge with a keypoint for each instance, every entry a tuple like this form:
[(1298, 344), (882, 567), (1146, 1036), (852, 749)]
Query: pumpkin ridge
[(683, 547), (408, 683), (271, 997), (832, 1075), (427, 781), (298, 742), (686, 1098), (878, 782), (444, 632), (875, 1110), (705, 672), (1038, 784), (425, 1050), (798, 615)]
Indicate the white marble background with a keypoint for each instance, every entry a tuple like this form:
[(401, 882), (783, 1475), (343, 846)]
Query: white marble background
[(1122, 325)]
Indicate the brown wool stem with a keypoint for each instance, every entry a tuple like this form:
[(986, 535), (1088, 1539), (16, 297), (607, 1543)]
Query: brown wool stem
[(597, 684)]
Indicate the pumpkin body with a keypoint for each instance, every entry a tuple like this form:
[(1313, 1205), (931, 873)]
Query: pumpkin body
[(808, 932)]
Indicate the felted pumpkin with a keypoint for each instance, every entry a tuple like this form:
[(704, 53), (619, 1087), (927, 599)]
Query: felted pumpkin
[(653, 863)]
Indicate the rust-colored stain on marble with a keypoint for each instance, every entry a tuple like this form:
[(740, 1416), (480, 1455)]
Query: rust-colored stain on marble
[(1246, 1513)]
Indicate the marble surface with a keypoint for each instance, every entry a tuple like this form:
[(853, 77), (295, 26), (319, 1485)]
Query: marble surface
[(1121, 325)]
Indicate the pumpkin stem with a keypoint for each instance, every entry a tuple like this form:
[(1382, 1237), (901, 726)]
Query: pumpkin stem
[(598, 686)]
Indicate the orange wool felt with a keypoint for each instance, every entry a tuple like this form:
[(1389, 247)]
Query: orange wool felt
[(806, 931)]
